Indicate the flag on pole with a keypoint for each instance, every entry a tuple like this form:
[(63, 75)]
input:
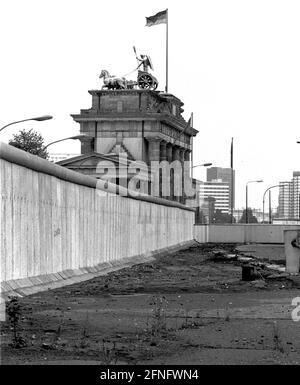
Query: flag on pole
[(159, 18), (231, 154), (189, 123), (231, 182)]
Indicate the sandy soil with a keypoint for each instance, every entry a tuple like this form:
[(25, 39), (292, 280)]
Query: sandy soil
[(184, 308)]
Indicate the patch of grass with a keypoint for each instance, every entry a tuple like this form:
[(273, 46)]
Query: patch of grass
[(276, 338), (108, 353), (85, 333), (14, 313), (159, 319)]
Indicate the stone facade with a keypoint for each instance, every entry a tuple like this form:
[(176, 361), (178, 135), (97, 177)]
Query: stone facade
[(147, 125)]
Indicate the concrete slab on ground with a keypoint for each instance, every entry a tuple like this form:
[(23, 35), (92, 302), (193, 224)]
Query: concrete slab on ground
[(271, 252)]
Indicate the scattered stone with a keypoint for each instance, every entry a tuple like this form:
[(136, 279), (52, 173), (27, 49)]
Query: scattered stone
[(295, 279), (259, 283), (232, 257), (278, 276), (47, 345), (244, 259), (219, 255), (219, 252), (276, 267)]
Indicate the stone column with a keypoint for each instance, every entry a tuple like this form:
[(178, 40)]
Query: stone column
[(170, 159), (154, 149), (163, 150), (87, 145), (154, 159), (177, 174), (186, 176), (169, 152), (164, 179), (181, 156)]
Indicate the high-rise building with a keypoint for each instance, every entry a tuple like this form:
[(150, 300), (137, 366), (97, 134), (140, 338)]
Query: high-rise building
[(225, 175), (218, 190), (289, 198)]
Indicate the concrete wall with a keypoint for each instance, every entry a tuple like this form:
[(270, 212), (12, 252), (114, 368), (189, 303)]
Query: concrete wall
[(54, 219), (241, 233), (292, 250)]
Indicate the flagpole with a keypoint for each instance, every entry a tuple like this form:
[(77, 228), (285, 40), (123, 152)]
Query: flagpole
[(231, 187), (167, 50), (192, 156)]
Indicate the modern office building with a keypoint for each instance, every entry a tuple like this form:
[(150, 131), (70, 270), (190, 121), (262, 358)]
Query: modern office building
[(218, 190), (289, 198), (225, 175)]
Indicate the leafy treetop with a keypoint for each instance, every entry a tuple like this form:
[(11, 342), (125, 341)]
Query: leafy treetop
[(30, 141)]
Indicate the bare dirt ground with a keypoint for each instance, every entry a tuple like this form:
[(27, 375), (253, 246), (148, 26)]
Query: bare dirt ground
[(186, 308)]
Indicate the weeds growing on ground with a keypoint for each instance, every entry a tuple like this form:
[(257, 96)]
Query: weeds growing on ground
[(85, 333), (14, 313), (159, 319), (227, 314), (108, 353), (276, 338)]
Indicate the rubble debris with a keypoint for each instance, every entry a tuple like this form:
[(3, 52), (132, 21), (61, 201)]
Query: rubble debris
[(231, 257), (223, 255), (259, 283), (295, 279), (245, 259), (283, 276)]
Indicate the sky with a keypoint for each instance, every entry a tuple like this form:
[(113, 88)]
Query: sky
[(234, 63)]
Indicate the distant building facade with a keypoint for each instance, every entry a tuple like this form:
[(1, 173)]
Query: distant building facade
[(58, 157), (289, 198), (142, 125), (218, 190), (204, 205), (225, 175)]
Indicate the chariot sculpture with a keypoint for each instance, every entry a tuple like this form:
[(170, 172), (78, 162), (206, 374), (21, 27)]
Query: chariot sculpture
[(145, 80)]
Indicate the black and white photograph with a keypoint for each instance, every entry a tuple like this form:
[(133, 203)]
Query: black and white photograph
[(149, 187)]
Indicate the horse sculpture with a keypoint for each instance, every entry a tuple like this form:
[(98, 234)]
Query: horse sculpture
[(112, 82)]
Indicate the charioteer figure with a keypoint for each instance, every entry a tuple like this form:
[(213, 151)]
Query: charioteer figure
[(145, 80), (145, 62)]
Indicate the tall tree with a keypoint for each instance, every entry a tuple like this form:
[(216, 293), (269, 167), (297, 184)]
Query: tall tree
[(251, 217), (220, 217), (30, 141)]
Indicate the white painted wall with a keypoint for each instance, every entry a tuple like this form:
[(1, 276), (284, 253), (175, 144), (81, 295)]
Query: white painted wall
[(49, 224), (241, 233)]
